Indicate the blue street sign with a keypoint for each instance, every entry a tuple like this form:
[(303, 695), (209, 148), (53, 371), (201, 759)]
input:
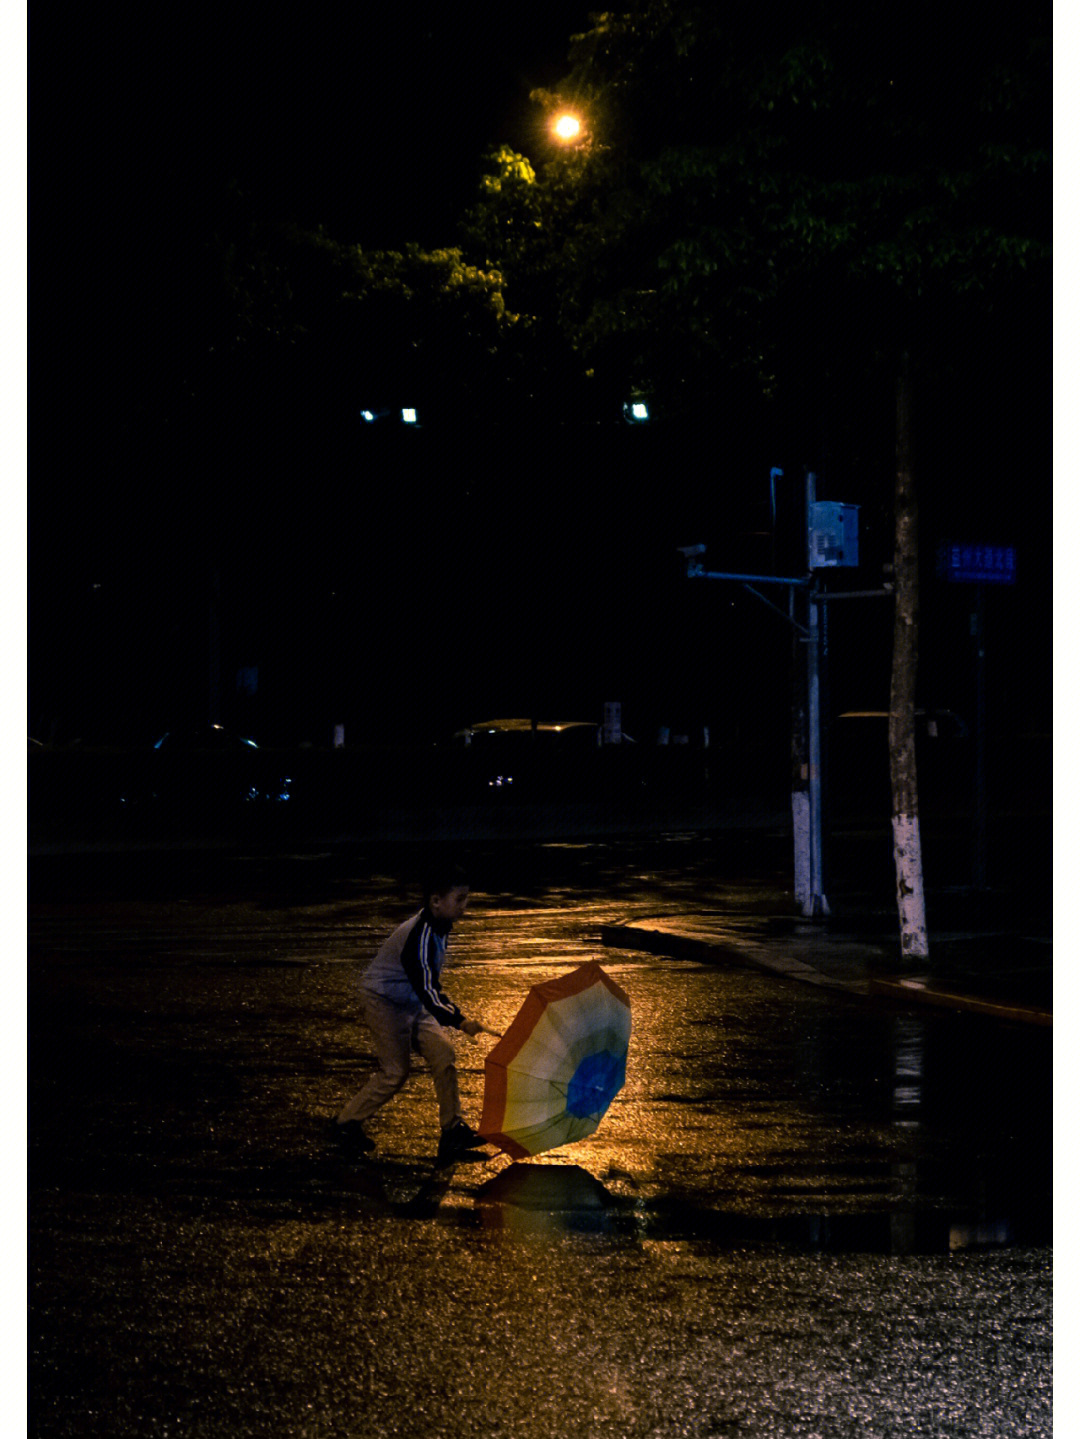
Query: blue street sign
[(978, 564)]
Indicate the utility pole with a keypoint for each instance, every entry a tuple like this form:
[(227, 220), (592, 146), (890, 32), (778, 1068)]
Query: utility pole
[(979, 565), (980, 847), (831, 541), (800, 753), (809, 892), (815, 902)]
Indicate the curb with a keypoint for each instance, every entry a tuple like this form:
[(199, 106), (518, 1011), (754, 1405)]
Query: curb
[(913, 992), (677, 946), (657, 941)]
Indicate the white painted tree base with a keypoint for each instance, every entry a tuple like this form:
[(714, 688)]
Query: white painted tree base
[(910, 901)]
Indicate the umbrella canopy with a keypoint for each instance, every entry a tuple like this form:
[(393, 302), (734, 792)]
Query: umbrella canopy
[(551, 1077)]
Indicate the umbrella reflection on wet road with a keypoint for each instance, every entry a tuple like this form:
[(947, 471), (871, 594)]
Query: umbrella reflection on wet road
[(192, 1039)]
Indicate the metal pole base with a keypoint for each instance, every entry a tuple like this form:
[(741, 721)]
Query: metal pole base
[(816, 906)]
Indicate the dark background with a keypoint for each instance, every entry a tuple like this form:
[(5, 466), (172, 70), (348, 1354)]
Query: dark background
[(407, 583)]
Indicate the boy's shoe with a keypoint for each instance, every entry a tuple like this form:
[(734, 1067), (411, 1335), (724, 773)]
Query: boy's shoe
[(352, 1139), (466, 1136), (457, 1141)]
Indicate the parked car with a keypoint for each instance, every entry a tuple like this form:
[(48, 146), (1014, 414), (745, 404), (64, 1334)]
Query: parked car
[(507, 754), (564, 733), (203, 739), (858, 768), (929, 724), (200, 766)]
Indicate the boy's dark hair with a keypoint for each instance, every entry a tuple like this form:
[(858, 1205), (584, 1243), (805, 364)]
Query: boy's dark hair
[(442, 878)]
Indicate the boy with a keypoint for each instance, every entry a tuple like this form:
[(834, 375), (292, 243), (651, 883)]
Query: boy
[(406, 1008)]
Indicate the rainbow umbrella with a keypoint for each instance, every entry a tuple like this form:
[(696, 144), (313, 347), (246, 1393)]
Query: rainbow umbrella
[(551, 1077)]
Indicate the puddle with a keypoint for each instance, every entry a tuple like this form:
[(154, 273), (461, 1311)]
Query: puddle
[(547, 1199), (561, 1187), (556, 1200)]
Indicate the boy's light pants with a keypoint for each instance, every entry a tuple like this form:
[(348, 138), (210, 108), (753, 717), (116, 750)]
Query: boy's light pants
[(396, 1032)]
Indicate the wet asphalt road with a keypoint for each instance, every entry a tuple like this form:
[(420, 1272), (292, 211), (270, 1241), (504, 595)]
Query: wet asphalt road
[(802, 1216)]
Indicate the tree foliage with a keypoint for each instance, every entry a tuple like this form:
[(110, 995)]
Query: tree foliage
[(764, 203), (279, 325), (776, 194)]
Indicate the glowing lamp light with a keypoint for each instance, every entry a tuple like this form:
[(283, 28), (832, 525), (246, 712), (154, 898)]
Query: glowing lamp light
[(636, 413), (567, 127), (409, 416)]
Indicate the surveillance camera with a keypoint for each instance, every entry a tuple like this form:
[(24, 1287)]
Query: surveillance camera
[(691, 551)]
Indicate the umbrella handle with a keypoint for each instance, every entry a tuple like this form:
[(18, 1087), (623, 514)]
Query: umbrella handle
[(473, 1027)]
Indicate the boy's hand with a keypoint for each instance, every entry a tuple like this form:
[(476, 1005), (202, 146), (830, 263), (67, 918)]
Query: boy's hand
[(473, 1027)]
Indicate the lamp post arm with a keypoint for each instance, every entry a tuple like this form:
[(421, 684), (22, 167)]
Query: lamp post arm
[(695, 572)]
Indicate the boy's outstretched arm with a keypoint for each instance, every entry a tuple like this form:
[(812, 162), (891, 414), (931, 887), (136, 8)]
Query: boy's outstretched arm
[(418, 964)]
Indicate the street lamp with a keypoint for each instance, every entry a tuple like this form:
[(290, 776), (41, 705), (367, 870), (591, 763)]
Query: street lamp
[(567, 127)]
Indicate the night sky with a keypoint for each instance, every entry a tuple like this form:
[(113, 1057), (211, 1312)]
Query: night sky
[(537, 574), (370, 121)]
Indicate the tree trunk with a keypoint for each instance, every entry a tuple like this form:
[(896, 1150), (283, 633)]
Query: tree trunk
[(907, 846)]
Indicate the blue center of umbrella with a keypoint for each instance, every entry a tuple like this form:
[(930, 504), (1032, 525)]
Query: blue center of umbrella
[(595, 1083)]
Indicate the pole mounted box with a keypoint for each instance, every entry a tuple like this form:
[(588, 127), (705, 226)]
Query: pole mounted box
[(832, 539)]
